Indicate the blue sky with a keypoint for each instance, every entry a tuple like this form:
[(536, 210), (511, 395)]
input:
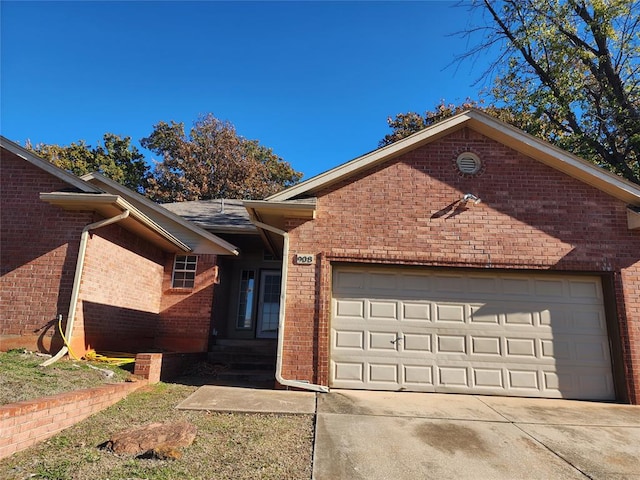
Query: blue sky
[(315, 81)]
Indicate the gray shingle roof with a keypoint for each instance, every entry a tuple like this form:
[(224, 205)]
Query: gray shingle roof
[(215, 215)]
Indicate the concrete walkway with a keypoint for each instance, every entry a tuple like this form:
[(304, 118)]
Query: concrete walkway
[(249, 400), (379, 435)]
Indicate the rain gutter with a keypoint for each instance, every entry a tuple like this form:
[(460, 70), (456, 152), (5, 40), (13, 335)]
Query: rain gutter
[(281, 320)]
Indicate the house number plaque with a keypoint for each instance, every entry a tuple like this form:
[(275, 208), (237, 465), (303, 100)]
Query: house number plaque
[(304, 259)]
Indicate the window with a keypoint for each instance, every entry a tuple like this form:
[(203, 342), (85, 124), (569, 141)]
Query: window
[(184, 271), (245, 302)]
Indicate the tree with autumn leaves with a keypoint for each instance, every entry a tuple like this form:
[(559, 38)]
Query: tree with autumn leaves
[(211, 161)]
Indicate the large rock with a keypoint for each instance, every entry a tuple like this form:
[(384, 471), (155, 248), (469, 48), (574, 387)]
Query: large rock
[(155, 440)]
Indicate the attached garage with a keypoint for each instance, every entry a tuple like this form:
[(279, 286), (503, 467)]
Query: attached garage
[(469, 257), (468, 331)]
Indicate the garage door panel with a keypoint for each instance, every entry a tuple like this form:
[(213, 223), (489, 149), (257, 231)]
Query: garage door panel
[(348, 339), (383, 372), (480, 315), (382, 282), (383, 310), (416, 311), (506, 334), (487, 346), (450, 313), (491, 378), (417, 342), (347, 281), (382, 341), (418, 376), (349, 372), (416, 286), (451, 344), (350, 308), (550, 288), (587, 290)]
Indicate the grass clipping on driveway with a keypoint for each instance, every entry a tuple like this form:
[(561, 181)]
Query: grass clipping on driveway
[(22, 377), (227, 446)]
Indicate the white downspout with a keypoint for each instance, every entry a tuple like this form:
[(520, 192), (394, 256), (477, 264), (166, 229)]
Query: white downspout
[(84, 237), (281, 320)]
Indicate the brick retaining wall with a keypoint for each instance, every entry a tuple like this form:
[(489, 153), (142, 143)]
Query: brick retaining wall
[(24, 424)]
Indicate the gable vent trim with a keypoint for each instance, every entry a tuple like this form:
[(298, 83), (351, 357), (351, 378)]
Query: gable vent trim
[(468, 163)]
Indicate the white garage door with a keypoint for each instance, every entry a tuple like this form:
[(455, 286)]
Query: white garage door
[(535, 335)]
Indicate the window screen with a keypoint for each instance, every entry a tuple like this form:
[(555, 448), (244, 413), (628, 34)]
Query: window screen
[(184, 271)]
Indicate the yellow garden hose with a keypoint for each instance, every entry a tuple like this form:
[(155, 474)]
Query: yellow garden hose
[(65, 340), (114, 358)]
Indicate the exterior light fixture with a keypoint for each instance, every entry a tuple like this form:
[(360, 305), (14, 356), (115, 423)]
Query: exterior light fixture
[(470, 197)]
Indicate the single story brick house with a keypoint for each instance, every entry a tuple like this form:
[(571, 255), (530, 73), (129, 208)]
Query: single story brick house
[(128, 274), (467, 258)]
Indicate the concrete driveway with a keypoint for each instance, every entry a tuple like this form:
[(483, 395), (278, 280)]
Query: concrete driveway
[(381, 435)]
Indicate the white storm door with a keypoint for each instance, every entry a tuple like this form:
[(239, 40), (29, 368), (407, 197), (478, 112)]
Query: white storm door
[(269, 304)]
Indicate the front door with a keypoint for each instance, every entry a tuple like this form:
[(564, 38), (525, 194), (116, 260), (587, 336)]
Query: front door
[(269, 304)]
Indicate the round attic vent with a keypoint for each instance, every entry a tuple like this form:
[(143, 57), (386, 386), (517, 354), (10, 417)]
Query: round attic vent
[(468, 163)]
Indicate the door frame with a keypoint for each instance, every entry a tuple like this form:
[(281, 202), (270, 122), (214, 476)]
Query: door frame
[(260, 313)]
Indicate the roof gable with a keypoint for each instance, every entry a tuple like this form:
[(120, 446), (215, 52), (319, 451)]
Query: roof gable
[(197, 238), (47, 166), (490, 127)]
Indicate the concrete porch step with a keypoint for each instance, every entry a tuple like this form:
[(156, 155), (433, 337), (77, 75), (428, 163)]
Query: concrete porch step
[(238, 361), (243, 365), (229, 357), (250, 377), (266, 347)]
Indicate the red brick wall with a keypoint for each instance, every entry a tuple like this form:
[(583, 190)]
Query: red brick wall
[(628, 285), (26, 423), (403, 212), (185, 317), (120, 295), (126, 301), (38, 251)]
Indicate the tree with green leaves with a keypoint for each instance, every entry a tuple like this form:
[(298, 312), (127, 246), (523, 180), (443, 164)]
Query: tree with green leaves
[(116, 159), (213, 161), (575, 63), (568, 72)]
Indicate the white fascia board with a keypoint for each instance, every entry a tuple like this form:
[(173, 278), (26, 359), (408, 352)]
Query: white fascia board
[(47, 166), (297, 210), (160, 210)]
